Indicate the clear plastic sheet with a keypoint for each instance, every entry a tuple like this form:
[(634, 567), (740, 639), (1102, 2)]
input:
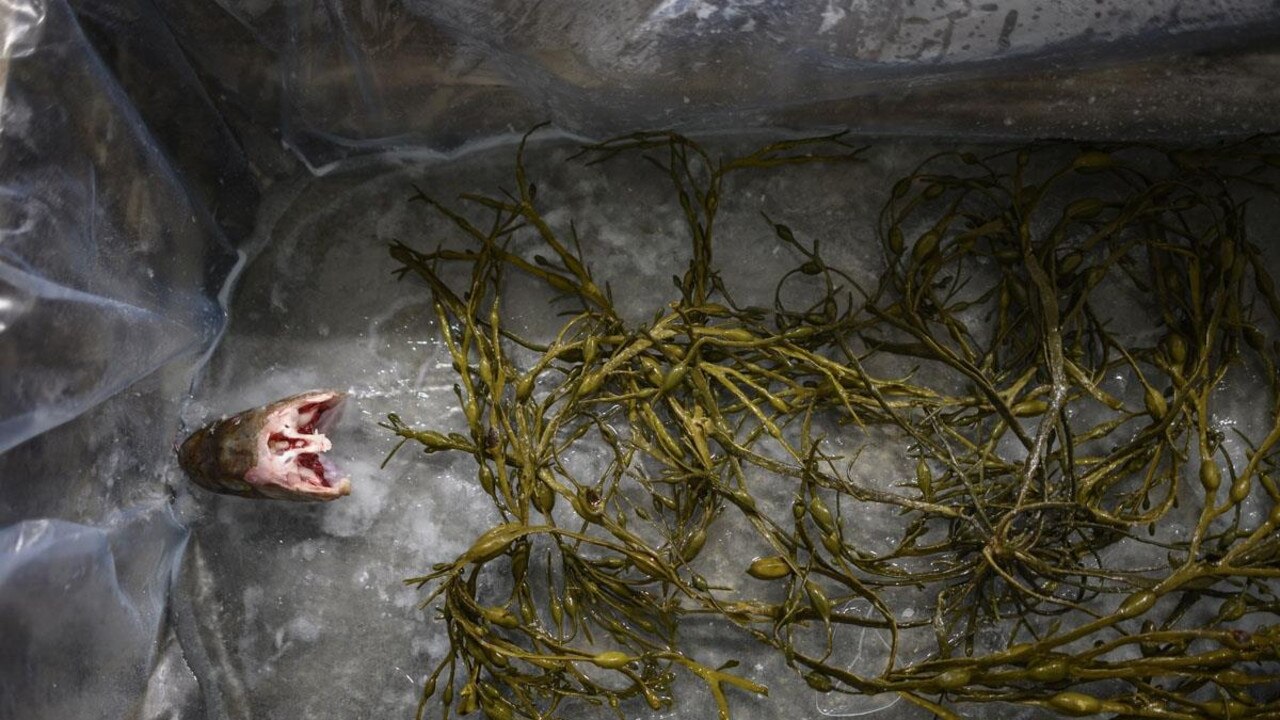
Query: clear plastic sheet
[(79, 612), (110, 271), (355, 76), (138, 138), (108, 268)]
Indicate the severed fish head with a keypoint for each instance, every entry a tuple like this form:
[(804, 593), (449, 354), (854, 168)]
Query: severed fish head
[(274, 451)]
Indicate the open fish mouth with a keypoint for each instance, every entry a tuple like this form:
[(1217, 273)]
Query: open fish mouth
[(274, 451)]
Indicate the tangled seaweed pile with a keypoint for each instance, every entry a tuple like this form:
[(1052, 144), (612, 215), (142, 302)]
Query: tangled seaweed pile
[(1043, 438)]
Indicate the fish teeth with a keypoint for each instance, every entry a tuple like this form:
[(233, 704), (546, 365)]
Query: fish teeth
[(244, 455)]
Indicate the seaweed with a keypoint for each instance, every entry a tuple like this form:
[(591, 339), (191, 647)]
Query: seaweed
[(1032, 460)]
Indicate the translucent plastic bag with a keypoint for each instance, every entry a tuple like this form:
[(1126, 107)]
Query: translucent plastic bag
[(357, 77), (80, 608), (137, 139)]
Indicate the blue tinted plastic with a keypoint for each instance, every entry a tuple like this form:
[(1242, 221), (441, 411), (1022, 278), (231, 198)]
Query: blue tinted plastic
[(137, 136)]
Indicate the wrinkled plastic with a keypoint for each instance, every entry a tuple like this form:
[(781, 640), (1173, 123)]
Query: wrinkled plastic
[(358, 76), (80, 609), (138, 138), (108, 268), (119, 118)]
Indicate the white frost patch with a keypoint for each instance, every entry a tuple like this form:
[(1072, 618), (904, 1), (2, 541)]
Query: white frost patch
[(252, 601), (831, 17), (307, 549), (304, 629), (406, 597), (432, 646), (700, 9), (357, 512)]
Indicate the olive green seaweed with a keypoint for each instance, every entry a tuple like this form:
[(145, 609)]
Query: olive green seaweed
[(1040, 437)]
